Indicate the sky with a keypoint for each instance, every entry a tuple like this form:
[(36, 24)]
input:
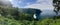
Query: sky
[(46, 6), (39, 4)]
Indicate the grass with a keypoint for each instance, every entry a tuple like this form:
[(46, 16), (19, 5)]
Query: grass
[(7, 21)]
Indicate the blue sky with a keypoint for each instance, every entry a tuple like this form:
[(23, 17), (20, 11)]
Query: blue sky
[(22, 3), (39, 4), (44, 5)]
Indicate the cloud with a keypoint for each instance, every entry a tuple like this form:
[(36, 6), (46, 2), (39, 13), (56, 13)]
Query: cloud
[(20, 1), (41, 4), (38, 1), (10, 0), (15, 3)]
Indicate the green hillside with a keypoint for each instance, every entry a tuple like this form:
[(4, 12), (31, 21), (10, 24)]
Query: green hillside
[(11, 16), (7, 21)]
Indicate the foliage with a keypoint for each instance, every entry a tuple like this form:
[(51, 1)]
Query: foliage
[(12, 16), (7, 21)]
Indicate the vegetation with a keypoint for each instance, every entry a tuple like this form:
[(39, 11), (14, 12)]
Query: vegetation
[(11, 16), (7, 21), (56, 6), (14, 16)]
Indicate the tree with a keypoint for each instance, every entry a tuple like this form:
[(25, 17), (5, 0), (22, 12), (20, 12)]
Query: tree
[(56, 4), (28, 13)]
